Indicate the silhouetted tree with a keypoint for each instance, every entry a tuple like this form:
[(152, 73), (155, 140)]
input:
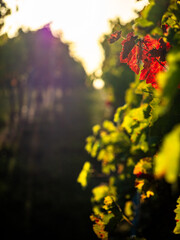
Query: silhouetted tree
[(33, 62)]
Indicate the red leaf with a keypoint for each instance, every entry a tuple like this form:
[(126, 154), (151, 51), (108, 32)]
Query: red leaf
[(146, 70), (150, 69), (128, 45), (114, 36), (130, 52), (165, 29), (152, 52), (153, 58), (161, 51)]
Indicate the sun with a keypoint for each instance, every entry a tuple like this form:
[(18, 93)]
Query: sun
[(98, 84)]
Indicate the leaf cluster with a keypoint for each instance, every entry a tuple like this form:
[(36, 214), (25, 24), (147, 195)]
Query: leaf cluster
[(139, 151)]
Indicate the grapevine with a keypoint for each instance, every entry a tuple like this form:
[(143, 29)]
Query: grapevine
[(139, 151)]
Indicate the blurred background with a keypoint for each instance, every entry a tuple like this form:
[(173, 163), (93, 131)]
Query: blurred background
[(54, 87)]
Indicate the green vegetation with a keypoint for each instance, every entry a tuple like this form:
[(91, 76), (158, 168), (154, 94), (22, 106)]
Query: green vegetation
[(138, 153)]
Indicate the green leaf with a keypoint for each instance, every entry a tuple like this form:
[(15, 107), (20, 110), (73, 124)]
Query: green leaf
[(108, 168), (143, 87), (142, 144), (151, 17), (135, 121), (138, 130), (153, 113), (121, 139), (118, 116), (167, 161), (155, 10), (143, 26), (168, 82), (128, 123)]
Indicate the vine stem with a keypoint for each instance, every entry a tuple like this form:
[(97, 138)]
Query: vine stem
[(120, 210)]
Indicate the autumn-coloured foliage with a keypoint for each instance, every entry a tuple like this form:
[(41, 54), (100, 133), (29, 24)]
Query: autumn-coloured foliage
[(139, 151), (131, 52), (148, 51), (177, 218), (114, 37)]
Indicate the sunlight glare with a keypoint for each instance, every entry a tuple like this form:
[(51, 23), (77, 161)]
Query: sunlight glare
[(98, 84), (81, 22)]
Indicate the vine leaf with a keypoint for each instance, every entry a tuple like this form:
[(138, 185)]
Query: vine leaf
[(128, 44), (84, 174), (149, 71), (161, 51), (177, 218), (151, 52), (130, 52), (99, 229), (153, 58), (167, 161), (114, 36)]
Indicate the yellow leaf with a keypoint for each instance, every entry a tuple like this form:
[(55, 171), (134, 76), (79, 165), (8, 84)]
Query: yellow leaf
[(96, 129), (83, 176)]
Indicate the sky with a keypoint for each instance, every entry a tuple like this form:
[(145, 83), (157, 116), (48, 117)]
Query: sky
[(81, 22)]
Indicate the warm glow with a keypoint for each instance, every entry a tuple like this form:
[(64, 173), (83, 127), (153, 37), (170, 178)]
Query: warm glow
[(82, 22), (98, 84)]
